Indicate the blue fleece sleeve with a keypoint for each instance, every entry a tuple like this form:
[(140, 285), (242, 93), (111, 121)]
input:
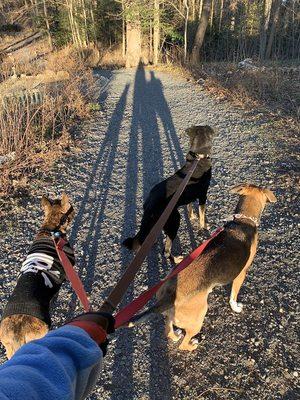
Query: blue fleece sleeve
[(63, 365)]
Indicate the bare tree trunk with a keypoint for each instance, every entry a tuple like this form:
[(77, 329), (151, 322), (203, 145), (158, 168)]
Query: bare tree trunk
[(151, 41), (185, 27), (276, 11), (85, 34), (200, 8), (211, 14), (78, 31), (264, 27), (193, 10), (199, 38), (123, 31), (47, 24), (71, 21), (92, 8), (134, 44), (156, 32), (133, 38), (221, 14)]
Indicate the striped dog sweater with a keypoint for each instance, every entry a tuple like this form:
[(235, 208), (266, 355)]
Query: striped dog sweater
[(39, 281)]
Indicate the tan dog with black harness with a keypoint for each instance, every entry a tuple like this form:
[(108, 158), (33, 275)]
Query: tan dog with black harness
[(227, 258), (27, 314)]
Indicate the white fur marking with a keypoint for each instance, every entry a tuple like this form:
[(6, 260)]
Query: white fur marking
[(235, 306)]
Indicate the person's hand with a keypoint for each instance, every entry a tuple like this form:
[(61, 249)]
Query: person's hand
[(97, 325)]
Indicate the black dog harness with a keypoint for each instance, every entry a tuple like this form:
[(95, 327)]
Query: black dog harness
[(40, 278)]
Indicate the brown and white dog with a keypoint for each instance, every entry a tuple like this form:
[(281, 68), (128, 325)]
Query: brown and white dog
[(27, 314), (227, 258)]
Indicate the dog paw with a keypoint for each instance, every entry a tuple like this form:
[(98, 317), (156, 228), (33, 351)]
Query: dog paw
[(193, 216), (236, 307), (176, 335), (177, 259), (191, 346), (178, 332)]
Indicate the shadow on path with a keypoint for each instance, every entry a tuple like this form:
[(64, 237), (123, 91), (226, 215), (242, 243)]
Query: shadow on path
[(145, 139), (149, 105), (144, 166), (95, 197), (161, 107)]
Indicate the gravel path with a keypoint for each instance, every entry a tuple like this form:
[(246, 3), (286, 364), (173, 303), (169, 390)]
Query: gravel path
[(134, 142)]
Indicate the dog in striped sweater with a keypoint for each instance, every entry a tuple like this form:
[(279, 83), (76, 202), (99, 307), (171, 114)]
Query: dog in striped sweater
[(26, 316)]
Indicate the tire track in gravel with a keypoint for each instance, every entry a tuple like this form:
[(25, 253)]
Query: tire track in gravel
[(137, 140)]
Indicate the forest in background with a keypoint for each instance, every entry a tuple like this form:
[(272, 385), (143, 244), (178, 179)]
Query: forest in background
[(166, 30), (47, 49)]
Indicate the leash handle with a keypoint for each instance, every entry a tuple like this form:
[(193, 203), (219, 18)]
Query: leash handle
[(125, 315), (121, 287), (72, 274)]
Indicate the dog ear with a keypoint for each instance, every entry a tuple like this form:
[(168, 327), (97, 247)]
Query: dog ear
[(239, 189), (46, 204), (270, 196), (65, 202), (191, 132)]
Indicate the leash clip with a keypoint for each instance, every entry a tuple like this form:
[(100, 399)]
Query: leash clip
[(56, 234)]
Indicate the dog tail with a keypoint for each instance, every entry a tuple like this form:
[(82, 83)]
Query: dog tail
[(142, 317), (146, 315), (128, 243), (132, 243)]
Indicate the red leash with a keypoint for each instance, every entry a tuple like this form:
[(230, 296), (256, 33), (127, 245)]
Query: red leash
[(124, 315), (116, 295), (118, 292), (72, 274), (129, 311)]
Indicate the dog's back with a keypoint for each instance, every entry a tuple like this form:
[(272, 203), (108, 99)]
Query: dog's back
[(219, 264), (164, 190)]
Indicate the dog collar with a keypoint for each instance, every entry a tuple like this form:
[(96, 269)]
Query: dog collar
[(243, 216), (56, 232)]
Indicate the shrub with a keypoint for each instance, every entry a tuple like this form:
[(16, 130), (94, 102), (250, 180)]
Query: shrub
[(32, 134)]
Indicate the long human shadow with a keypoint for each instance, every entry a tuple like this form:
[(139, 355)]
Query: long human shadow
[(122, 378), (94, 204), (162, 109), (152, 156), (145, 139)]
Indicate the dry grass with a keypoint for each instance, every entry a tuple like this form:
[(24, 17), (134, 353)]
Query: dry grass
[(35, 135), (275, 88), (112, 58)]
